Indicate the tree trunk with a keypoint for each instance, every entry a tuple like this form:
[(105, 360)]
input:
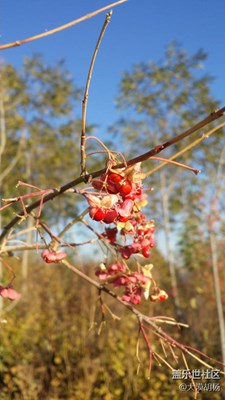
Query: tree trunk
[(169, 246), (2, 147), (30, 222), (214, 255)]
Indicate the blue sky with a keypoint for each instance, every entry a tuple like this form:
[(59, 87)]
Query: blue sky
[(139, 31)]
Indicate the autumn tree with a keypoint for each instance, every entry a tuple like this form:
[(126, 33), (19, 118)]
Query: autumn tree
[(39, 130), (40, 108)]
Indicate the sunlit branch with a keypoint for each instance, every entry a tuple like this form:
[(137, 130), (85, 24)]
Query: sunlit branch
[(99, 236), (77, 219), (156, 150), (83, 142), (169, 321), (178, 164), (192, 380), (7, 250), (61, 27), (86, 93), (186, 148), (158, 331)]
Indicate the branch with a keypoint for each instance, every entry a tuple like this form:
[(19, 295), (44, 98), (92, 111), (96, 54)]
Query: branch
[(143, 318), (10, 249), (86, 92), (186, 148), (212, 117), (61, 27), (178, 164), (2, 125), (156, 150)]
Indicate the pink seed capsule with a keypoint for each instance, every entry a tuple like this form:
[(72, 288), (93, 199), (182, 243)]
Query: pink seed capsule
[(50, 257)]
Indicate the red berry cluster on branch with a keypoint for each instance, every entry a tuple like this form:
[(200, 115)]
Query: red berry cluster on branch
[(118, 200), (133, 282)]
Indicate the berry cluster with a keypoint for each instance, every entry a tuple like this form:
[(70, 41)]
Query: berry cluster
[(118, 195), (135, 283), (143, 237), (118, 200)]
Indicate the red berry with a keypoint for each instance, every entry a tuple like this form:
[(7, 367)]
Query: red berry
[(141, 232), (112, 188), (122, 219), (97, 184), (146, 251), (110, 233), (163, 295), (98, 214), (129, 197), (125, 188), (126, 252), (110, 216), (138, 191), (115, 178)]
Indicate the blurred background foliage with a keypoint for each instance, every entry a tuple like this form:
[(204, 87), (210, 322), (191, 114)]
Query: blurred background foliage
[(50, 348), (50, 344)]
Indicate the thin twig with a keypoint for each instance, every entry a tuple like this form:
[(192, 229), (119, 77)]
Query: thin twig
[(137, 351), (169, 321), (186, 148), (178, 164), (164, 361), (163, 347), (150, 351), (211, 117), (185, 348), (102, 239), (77, 219), (109, 152), (86, 93), (192, 380), (114, 316), (61, 27), (20, 233), (10, 249)]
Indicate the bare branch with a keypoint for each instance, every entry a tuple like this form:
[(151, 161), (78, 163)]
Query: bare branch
[(86, 93), (2, 125), (11, 248), (157, 330), (186, 148), (61, 27), (156, 150), (178, 164), (211, 117)]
